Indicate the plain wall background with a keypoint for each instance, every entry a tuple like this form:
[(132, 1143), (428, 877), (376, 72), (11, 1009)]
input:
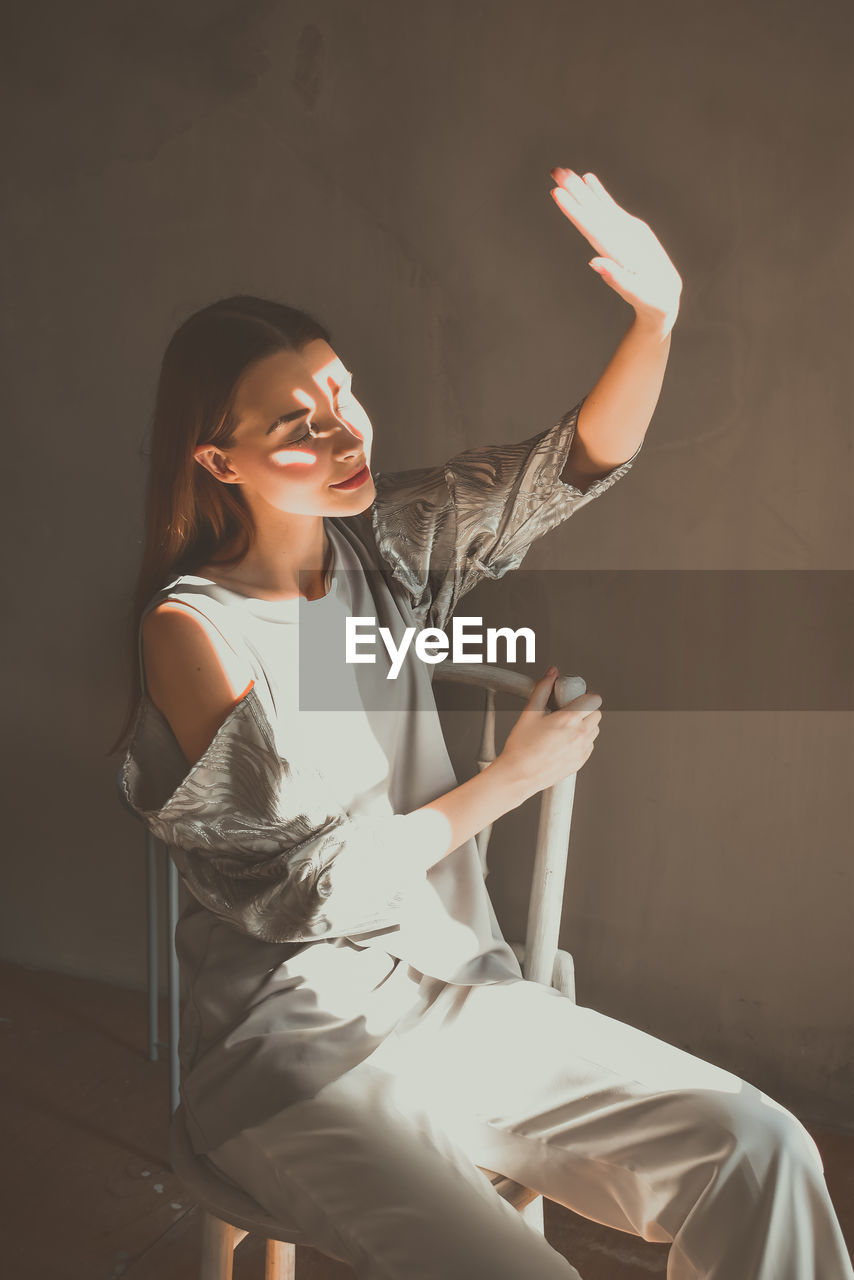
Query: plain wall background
[(386, 166)]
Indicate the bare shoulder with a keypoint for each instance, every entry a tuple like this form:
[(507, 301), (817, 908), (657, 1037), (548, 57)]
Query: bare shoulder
[(193, 676)]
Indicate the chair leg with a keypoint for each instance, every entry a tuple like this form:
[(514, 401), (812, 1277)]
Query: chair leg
[(281, 1261), (174, 982), (218, 1242), (151, 922)]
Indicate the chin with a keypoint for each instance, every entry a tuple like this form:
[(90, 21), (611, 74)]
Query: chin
[(364, 496), (353, 501)]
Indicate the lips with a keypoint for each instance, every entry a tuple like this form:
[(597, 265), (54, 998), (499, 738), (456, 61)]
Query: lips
[(355, 478)]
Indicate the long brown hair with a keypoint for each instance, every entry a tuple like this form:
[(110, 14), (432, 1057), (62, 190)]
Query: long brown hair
[(190, 518)]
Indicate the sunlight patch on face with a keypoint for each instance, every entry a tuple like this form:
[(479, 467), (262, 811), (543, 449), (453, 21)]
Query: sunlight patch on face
[(333, 369), (286, 455), (333, 372)]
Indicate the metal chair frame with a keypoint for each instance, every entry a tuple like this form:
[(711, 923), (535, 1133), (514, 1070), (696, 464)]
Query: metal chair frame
[(153, 848)]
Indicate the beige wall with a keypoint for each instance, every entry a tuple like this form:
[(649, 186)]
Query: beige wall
[(386, 164)]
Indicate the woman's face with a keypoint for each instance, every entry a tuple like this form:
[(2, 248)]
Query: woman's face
[(277, 457)]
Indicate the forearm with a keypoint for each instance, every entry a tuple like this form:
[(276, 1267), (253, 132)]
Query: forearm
[(615, 415), (450, 820)]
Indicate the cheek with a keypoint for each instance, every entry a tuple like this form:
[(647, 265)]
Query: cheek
[(297, 463), (360, 423), (366, 431)]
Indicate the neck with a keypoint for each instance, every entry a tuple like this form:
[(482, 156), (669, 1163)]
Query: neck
[(290, 556)]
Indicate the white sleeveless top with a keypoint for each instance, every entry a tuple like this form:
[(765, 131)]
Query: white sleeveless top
[(315, 884)]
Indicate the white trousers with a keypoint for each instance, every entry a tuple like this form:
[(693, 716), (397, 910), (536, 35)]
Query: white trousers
[(380, 1168)]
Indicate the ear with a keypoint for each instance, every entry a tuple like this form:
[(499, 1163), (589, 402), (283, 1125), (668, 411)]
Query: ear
[(216, 462)]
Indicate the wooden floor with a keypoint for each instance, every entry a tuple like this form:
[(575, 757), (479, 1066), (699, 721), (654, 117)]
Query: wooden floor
[(87, 1190)]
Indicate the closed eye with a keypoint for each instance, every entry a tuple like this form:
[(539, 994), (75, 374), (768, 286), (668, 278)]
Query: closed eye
[(345, 396), (298, 440), (345, 392)]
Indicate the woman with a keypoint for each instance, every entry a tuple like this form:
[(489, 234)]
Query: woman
[(358, 1042)]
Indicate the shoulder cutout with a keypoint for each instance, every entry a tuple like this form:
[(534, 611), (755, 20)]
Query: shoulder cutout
[(193, 676)]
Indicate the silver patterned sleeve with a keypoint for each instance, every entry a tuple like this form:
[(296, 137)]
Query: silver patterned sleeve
[(443, 529), (257, 842)]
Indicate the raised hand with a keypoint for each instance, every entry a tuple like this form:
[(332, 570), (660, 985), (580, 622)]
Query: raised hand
[(631, 259)]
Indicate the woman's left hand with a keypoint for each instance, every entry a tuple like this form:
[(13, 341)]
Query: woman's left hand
[(632, 260)]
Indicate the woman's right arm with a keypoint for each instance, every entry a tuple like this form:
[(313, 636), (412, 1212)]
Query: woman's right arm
[(195, 680)]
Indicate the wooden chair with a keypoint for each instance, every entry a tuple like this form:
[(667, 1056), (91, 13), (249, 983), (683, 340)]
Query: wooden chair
[(230, 1214)]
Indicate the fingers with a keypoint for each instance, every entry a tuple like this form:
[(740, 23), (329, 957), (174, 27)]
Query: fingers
[(582, 706), (581, 187), (570, 181), (582, 722), (539, 697), (595, 185), (584, 209), (560, 175)]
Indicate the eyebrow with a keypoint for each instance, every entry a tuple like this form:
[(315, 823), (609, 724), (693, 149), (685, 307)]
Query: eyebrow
[(300, 413)]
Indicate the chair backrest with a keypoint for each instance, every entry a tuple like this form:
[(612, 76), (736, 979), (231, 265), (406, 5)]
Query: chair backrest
[(540, 950)]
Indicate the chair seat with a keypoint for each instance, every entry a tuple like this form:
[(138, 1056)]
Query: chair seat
[(220, 1197), (217, 1194)]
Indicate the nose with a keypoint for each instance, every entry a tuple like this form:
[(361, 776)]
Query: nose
[(348, 442)]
